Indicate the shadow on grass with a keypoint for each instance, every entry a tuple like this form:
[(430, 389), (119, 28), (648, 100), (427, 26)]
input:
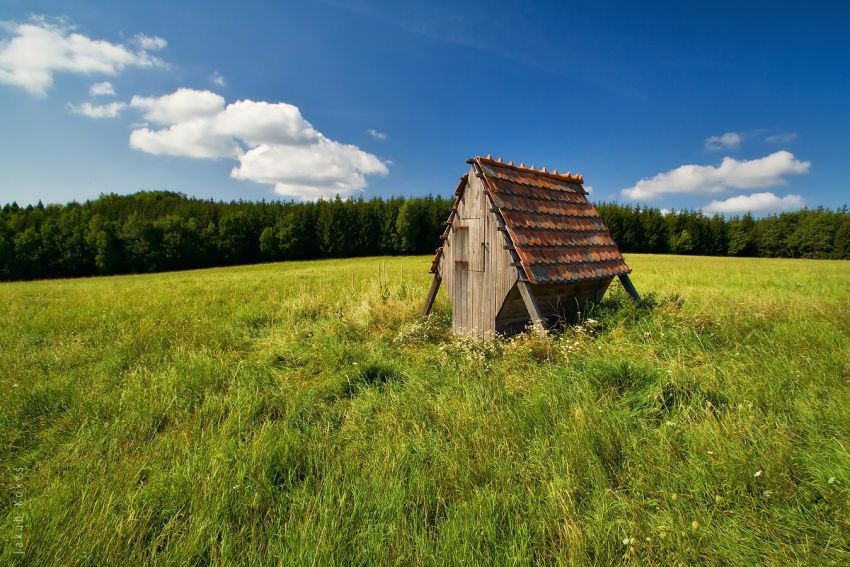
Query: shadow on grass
[(374, 375)]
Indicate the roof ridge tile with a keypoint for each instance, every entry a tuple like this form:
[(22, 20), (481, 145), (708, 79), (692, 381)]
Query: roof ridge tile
[(577, 178)]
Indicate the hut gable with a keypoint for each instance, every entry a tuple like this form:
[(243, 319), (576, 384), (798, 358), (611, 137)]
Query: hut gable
[(522, 245)]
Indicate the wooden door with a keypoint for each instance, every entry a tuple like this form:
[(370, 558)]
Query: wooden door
[(477, 242), (460, 275)]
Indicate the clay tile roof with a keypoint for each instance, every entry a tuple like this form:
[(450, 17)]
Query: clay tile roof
[(557, 233)]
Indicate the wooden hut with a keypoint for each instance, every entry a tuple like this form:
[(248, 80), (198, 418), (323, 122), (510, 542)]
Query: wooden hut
[(522, 246)]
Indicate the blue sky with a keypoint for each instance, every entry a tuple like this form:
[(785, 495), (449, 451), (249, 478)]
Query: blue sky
[(724, 106)]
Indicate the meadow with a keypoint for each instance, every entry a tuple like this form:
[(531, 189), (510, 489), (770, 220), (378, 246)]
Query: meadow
[(302, 413)]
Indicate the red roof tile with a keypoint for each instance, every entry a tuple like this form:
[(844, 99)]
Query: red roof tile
[(557, 233)]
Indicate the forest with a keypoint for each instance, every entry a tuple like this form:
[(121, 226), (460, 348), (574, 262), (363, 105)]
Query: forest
[(152, 231)]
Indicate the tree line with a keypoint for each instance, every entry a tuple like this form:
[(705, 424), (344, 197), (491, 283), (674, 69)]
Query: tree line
[(152, 231), (808, 233)]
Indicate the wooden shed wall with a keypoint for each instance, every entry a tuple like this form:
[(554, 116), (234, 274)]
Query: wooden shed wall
[(475, 266)]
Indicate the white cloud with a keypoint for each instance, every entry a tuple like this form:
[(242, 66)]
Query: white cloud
[(781, 138), (756, 203), (149, 42), (273, 143), (110, 110), (588, 189), (200, 125), (195, 139), (217, 79), (768, 171), (102, 89), (378, 135), (180, 106), (40, 48), (321, 169), (729, 140), (266, 123)]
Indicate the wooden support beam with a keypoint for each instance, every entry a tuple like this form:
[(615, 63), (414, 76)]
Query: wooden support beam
[(432, 294), (531, 305), (630, 289)]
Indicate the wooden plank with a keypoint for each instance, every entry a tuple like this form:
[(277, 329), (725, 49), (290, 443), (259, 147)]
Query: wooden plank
[(461, 253), (485, 277), (630, 289), (432, 294), (503, 276), (475, 280), (447, 271), (476, 263), (463, 276), (489, 279), (531, 305)]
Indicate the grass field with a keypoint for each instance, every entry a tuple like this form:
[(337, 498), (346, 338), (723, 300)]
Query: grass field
[(301, 414)]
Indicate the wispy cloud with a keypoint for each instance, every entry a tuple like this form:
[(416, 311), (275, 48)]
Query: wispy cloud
[(102, 89), (376, 134), (149, 43), (756, 203), (727, 141), (769, 171), (451, 27), (109, 110), (217, 79), (42, 47), (781, 138)]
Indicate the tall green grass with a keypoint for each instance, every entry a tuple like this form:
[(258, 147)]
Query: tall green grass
[(302, 414)]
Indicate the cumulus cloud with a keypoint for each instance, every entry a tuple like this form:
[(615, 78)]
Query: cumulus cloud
[(756, 203), (378, 135), (110, 110), (781, 138), (217, 79), (180, 106), (195, 138), (273, 143), (311, 171), (727, 141), (768, 171), (41, 48), (102, 89)]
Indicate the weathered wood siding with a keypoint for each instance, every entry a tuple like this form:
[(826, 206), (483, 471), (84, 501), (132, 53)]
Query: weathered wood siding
[(475, 266)]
